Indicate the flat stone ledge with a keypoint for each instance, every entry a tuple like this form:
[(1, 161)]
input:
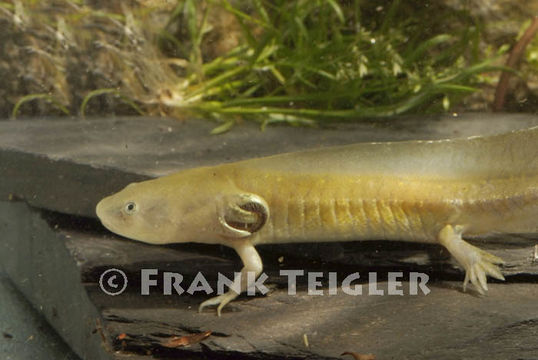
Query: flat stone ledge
[(68, 165), (57, 266), (54, 250)]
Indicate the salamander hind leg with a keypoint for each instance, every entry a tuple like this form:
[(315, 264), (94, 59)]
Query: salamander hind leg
[(477, 263)]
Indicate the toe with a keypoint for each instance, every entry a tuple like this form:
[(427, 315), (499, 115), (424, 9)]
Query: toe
[(492, 270), (466, 281), (481, 274)]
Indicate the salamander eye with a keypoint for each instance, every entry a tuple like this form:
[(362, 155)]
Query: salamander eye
[(130, 208)]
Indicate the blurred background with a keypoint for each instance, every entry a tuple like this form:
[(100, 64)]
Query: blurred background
[(278, 61)]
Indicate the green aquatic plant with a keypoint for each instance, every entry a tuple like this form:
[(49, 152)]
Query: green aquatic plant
[(296, 62), (310, 61), (31, 97), (105, 91)]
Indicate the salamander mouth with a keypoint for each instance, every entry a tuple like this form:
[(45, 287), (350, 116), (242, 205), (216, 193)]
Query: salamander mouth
[(109, 226), (100, 209), (103, 213)]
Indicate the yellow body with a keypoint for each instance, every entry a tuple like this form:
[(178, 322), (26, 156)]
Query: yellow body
[(425, 191), (338, 208)]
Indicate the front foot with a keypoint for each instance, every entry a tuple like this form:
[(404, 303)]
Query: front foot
[(252, 265), (220, 300), (477, 263)]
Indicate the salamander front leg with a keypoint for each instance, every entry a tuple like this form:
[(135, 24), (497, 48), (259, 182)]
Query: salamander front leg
[(477, 263), (252, 263)]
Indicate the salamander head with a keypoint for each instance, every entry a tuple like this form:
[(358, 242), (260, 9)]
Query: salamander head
[(191, 206), (160, 211)]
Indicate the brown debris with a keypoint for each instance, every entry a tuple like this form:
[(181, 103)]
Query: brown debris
[(179, 341), (357, 356)]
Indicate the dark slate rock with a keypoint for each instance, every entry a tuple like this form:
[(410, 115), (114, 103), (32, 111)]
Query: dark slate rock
[(24, 334), (57, 264), (54, 251), (67, 165)]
